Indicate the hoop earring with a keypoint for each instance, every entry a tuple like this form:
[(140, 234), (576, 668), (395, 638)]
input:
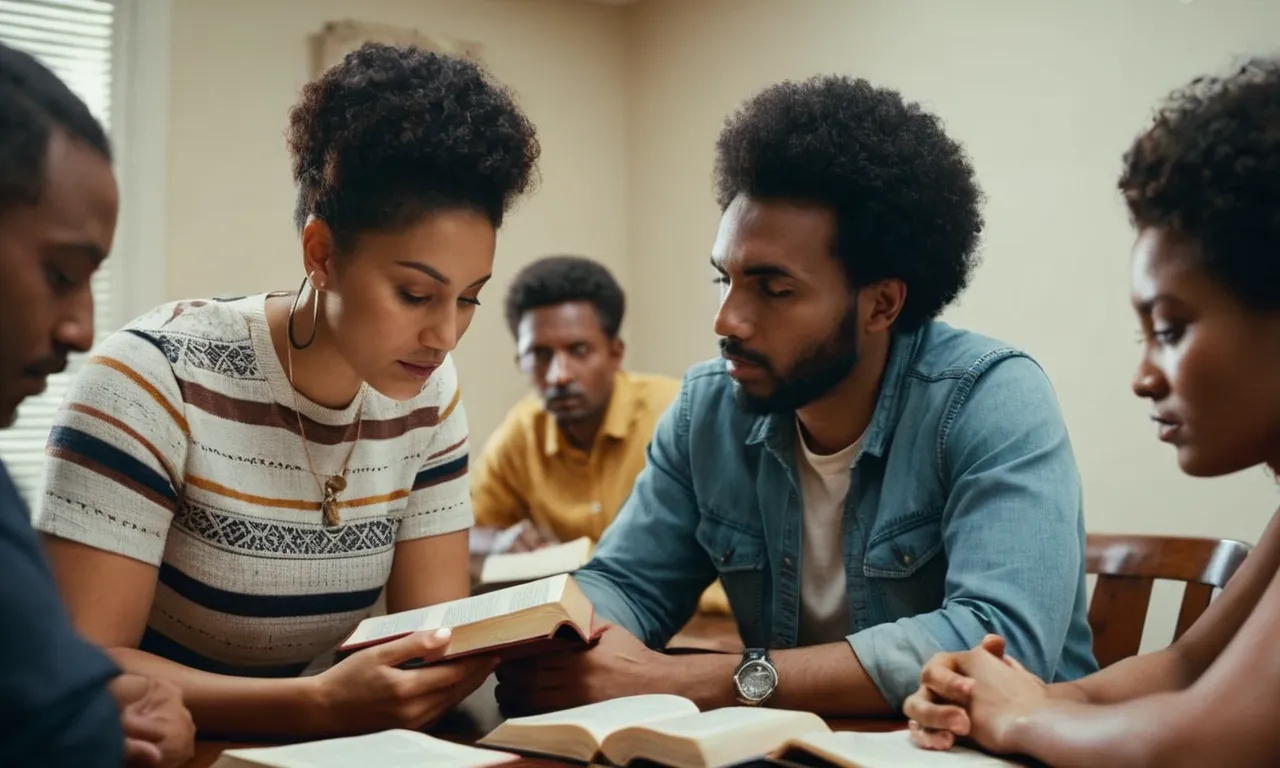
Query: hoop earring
[(315, 314)]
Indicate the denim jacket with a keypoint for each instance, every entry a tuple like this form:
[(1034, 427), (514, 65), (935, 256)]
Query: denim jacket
[(963, 517)]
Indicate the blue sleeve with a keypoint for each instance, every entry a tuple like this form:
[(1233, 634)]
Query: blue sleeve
[(648, 570), (1012, 529), (55, 709)]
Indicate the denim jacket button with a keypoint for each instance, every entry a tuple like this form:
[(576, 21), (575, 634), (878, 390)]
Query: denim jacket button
[(906, 559), (786, 561)]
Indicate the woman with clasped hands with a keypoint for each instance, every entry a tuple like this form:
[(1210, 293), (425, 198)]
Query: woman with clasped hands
[(1203, 189)]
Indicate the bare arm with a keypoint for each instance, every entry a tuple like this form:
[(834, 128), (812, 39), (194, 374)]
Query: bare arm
[(1227, 717), (109, 597), (1177, 667), (824, 679), (428, 571)]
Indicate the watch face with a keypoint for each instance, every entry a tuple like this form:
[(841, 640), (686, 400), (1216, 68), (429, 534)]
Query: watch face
[(756, 680)]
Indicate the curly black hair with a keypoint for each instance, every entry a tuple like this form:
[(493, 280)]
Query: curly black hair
[(559, 279), (392, 133), (906, 202), (33, 102), (1209, 168)]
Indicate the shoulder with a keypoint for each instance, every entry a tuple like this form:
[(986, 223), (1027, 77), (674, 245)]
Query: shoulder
[(204, 333), (945, 352), (652, 389), (213, 319)]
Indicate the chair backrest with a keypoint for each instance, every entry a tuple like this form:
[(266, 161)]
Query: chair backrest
[(1127, 566)]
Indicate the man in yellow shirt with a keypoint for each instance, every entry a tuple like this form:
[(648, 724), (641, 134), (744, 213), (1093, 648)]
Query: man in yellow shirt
[(566, 456)]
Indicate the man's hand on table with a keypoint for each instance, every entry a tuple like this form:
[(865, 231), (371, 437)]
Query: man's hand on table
[(618, 665), (158, 728)]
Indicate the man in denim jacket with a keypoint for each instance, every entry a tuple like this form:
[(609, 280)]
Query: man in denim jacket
[(871, 485)]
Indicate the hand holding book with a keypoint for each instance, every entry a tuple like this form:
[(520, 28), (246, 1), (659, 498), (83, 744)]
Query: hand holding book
[(370, 691)]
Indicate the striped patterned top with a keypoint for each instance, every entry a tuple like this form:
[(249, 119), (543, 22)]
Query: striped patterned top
[(178, 446)]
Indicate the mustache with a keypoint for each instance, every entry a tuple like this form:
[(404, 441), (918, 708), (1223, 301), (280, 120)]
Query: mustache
[(48, 366), (731, 347), (562, 393)]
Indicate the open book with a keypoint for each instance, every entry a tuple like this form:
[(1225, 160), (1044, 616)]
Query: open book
[(517, 567), (517, 621), (388, 749), (658, 728), (876, 750)]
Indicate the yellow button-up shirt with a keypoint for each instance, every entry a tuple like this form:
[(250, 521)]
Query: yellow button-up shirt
[(529, 470)]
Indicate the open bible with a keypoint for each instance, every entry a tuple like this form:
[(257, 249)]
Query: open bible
[(663, 729), (670, 730), (387, 749), (517, 621)]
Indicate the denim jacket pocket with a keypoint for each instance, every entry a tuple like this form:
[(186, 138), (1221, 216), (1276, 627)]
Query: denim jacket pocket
[(739, 557), (904, 547), (906, 568)]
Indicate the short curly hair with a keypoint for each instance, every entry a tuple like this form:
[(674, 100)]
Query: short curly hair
[(906, 202), (560, 279), (392, 133), (1209, 168), (33, 102)]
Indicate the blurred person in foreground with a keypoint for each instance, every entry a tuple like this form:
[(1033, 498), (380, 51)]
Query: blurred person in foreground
[(62, 700)]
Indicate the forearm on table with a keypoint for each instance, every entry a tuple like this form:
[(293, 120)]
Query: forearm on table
[(1158, 672), (824, 679), (222, 704), (1144, 732)]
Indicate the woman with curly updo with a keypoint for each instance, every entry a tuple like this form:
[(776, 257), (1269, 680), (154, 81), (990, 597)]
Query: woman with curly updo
[(1203, 190), (232, 483)]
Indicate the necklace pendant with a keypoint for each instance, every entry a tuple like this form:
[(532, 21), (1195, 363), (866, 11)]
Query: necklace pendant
[(329, 513), (335, 485)]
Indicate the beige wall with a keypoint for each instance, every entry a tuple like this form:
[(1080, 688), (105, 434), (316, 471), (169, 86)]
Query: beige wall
[(237, 68), (1046, 96)]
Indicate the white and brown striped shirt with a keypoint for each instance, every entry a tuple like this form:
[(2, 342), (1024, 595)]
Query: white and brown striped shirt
[(178, 446)]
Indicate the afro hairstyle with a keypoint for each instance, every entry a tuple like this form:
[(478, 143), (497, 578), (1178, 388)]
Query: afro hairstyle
[(906, 202)]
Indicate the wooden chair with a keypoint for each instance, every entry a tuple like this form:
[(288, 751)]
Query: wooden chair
[(1128, 565)]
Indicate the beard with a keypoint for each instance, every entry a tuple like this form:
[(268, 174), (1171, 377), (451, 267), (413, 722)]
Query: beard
[(815, 372)]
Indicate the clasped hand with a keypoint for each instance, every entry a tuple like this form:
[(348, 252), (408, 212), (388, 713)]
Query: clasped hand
[(979, 694)]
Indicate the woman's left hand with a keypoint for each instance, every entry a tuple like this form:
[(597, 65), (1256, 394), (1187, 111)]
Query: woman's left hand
[(977, 694)]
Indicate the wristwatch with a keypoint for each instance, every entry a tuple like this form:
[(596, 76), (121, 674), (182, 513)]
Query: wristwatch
[(756, 678)]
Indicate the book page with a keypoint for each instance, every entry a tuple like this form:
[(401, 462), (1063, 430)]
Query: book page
[(387, 749), (893, 750), (722, 736), (468, 610), (728, 720), (605, 717), (548, 561)]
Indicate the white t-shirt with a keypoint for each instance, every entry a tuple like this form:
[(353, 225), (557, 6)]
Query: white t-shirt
[(824, 484)]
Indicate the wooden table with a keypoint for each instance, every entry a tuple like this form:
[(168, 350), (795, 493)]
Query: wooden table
[(715, 633), (208, 751)]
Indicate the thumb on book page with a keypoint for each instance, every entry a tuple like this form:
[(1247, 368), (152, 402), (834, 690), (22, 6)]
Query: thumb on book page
[(423, 646)]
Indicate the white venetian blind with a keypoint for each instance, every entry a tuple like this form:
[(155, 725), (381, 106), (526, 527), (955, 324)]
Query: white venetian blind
[(74, 38)]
